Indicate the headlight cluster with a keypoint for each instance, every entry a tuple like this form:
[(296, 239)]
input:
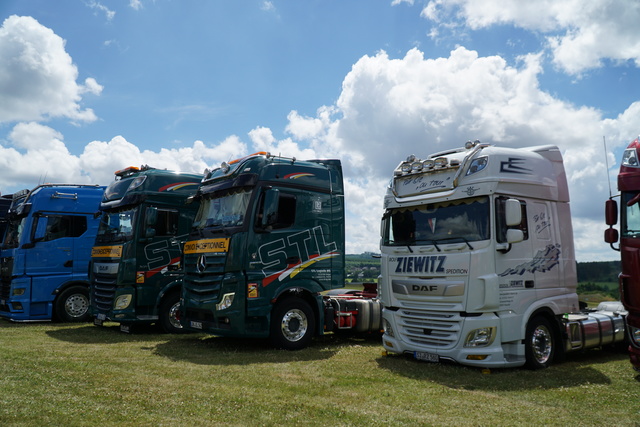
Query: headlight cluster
[(634, 334), (122, 302), (227, 300), (388, 330), (481, 337)]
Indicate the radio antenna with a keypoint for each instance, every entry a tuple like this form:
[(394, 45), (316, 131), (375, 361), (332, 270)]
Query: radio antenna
[(606, 162)]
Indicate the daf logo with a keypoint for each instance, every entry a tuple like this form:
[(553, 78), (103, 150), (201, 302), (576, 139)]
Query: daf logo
[(201, 265)]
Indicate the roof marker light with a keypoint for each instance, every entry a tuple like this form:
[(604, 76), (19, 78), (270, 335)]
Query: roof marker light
[(440, 162)]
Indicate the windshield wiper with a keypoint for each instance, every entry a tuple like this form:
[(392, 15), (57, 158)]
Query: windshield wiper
[(454, 238)]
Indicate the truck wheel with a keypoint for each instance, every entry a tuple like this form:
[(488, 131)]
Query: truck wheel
[(539, 343), (292, 324), (168, 314), (72, 305)]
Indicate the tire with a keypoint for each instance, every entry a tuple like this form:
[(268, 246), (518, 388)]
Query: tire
[(167, 314), (540, 343), (72, 305), (292, 324)]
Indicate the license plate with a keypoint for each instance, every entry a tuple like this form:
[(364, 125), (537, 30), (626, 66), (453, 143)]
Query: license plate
[(426, 357), (101, 316), (195, 325), (2, 302)]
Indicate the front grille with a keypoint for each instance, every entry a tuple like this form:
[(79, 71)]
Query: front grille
[(204, 275), (103, 291), (5, 289), (429, 328), (6, 271)]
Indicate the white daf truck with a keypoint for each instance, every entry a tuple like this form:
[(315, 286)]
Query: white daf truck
[(478, 262)]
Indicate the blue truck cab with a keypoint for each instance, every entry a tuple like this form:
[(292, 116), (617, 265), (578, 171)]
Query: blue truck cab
[(46, 251)]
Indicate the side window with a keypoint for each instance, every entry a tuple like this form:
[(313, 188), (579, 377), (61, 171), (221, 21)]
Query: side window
[(286, 211), (53, 227), (501, 226), (282, 217), (167, 223)]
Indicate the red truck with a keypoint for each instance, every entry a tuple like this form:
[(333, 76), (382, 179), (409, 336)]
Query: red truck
[(629, 247)]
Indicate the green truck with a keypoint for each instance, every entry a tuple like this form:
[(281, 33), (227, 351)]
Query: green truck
[(136, 269), (265, 257)]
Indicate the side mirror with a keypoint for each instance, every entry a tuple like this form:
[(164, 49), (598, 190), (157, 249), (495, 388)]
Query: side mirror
[(611, 213), (270, 207), (512, 212), (514, 235), (151, 216), (611, 236)]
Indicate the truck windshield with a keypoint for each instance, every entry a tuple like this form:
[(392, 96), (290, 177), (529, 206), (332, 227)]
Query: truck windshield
[(228, 210), (630, 221), (116, 226), (464, 220), (14, 231)]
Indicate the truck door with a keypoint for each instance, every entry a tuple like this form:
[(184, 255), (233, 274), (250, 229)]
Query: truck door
[(515, 265), (50, 260), (297, 241), (161, 253)]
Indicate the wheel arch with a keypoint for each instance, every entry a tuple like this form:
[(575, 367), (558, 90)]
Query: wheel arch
[(304, 294), (66, 285), (172, 287), (555, 323)]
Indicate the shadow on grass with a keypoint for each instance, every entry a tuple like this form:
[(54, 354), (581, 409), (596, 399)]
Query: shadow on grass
[(87, 333), (577, 370), (213, 350)]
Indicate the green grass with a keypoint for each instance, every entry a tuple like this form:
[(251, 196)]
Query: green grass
[(71, 375)]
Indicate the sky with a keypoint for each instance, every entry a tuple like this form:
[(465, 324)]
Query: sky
[(89, 87)]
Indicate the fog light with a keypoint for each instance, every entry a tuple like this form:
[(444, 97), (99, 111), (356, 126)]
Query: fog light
[(477, 356), (122, 302), (481, 337), (17, 306)]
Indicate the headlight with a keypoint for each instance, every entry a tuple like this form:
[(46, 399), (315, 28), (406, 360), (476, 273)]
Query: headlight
[(18, 292), (481, 337), (388, 330), (227, 300), (634, 333), (122, 302)]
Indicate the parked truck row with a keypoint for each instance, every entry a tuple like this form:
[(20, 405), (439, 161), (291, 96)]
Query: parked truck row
[(477, 257)]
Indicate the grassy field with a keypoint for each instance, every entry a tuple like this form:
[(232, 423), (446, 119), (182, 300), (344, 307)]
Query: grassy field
[(71, 375)]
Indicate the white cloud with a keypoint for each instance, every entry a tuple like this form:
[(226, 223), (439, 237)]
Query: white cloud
[(37, 76), (580, 34), (390, 108), (39, 154), (109, 14), (267, 6), (135, 4)]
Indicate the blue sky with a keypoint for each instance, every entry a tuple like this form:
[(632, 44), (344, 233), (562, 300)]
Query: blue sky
[(88, 87)]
